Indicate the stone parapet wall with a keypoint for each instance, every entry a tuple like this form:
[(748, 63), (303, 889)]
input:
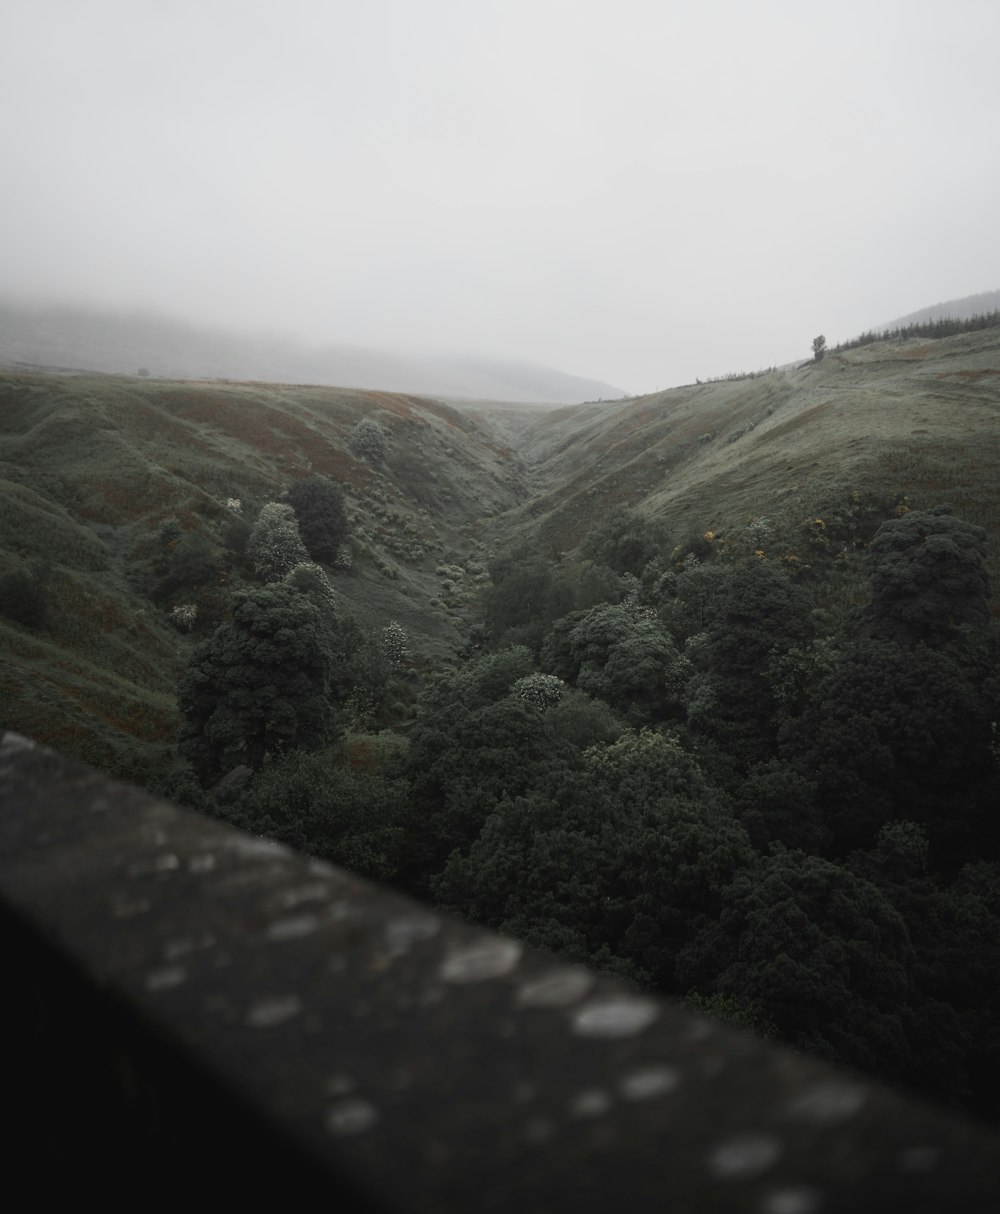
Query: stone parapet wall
[(196, 1014)]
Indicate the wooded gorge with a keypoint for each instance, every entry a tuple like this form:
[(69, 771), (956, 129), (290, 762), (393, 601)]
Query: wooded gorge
[(701, 688)]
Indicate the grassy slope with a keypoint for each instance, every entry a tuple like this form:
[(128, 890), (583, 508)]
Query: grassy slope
[(916, 418), (91, 467)]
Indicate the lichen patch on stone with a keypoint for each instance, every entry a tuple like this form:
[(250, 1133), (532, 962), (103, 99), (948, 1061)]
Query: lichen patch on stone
[(831, 1101), (477, 962), (292, 928), (269, 1012), (744, 1156), (164, 979), (615, 1016), (351, 1116), (648, 1082), (559, 988)]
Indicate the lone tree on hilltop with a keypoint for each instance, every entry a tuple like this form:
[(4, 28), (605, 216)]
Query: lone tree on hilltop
[(258, 686), (275, 546), (819, 347)]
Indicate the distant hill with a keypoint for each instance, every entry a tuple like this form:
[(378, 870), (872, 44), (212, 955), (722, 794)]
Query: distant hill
[(77, 339), (968, 305)]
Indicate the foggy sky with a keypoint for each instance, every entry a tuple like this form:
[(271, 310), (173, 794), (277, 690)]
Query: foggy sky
[(641, 191)]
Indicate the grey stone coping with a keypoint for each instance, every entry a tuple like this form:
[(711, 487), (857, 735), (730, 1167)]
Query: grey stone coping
[(359, 1044)]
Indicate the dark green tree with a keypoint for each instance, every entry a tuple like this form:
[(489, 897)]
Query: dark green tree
[(481, 682), (776, 804), (928, 577), (463, 760), (966, 957), (318, 503), (23, 594), (758, 614), (523, 599), (583, 721), (258, 686), (822, 952), (899, 732), (616, 652), (686, 599), (819, 348), (318, 804), (617, 861), (184, 564), (626, 542)]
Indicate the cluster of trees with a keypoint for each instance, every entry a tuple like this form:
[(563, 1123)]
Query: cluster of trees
[(189, 573), (944, 326), (288, 664), (736, 376), (795, 821), (666, 761)]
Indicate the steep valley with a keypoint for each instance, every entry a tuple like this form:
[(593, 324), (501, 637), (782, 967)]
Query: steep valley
[(103, 476)]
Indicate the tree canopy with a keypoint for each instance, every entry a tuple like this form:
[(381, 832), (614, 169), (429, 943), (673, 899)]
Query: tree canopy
[(928, 576), (258, 685), (275, 546), (319, 509)]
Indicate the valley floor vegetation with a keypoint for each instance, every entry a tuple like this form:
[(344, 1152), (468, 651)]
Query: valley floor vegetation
[(681, 763)]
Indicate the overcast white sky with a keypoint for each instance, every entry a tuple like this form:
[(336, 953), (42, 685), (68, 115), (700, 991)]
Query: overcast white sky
[(642, 191)]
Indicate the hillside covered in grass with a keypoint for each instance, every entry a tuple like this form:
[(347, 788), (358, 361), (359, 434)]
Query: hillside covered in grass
[(115, 510), (112, 484), (913, 418)]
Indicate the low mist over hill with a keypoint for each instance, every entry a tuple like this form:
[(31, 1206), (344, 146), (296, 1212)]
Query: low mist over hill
[(76, 339)]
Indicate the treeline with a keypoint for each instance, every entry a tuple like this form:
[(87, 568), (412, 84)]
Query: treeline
[(695, 765), (736, 376), (945, 326)]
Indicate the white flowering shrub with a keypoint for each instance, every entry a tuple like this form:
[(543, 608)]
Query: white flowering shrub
[(344, 558), (395, 644), (184, 616), (275, 546), (541, 690), (368, 439), (759, 534), (234, 504), (309, 578)]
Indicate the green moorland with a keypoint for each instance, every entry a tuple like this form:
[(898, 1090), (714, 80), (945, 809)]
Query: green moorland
[(905, 418), (114, 511), (700, 687)]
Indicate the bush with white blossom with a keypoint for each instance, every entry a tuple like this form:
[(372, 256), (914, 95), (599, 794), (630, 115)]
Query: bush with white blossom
[(541, 690)]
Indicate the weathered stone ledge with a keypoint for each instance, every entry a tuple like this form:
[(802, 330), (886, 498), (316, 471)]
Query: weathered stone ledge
[(196, 1013)]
